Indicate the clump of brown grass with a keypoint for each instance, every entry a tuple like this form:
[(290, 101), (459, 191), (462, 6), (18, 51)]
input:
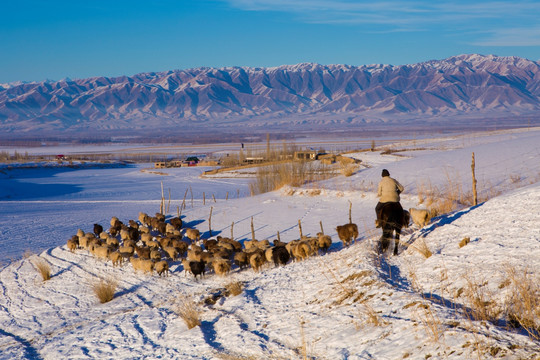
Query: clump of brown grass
[(523, 302), (480, 301), (370, 316), (43, 268), (421, 246), (104, 289), (464, 242), (188, 311), (234, 288), (431, 323)]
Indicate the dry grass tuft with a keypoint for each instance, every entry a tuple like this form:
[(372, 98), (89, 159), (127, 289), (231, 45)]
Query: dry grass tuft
[(104, 289), (370, 317), (43, 268), (234, 288), (523, 302), (464, 242), (188, 311), (421, 246), (480, 301)]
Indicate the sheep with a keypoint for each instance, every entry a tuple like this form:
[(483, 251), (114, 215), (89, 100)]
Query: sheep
[(193, 234), (280, 255), (98, 229), (103, 235), (256, 261), (324, 242), (144, 265), (155, 255), (153, 244), (176, 222), (180, 246), (221, 266), (116, 258), (171, 252), (169, 228), (241, 259), (73, 243), (146, 237), (133, 224), (347, 233), (126, 251), (101, 251), (420, 217), (194, 255), (209, 244), (164, 242), (144, 229), (236, 245), (197, 268), (115, 222), (185, 264), (268, 254), (112, 241), (83, 241), (144, 219), (142, 252), (302, 250), (162, 267), (160, 217)]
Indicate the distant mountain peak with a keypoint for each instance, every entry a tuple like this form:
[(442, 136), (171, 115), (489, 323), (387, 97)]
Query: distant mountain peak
[(286, 96)]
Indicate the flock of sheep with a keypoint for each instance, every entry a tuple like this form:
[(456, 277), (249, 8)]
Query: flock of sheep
[(152, 242)]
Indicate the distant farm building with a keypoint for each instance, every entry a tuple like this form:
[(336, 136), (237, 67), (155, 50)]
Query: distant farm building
[(308, 155)]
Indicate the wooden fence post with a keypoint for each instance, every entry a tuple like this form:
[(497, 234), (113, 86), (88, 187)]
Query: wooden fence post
[(475, 195)]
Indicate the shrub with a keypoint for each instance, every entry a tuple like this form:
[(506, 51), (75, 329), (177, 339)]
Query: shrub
[(104, 289), (43, 268), (187, 310)]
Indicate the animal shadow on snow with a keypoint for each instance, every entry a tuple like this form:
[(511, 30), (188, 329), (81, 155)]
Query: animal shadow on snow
[(192, 224)]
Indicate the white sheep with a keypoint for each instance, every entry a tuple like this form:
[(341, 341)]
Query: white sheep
[(171, 251), (256, 261), (101, 251), (420, 217), (162, 267), (143, 265)]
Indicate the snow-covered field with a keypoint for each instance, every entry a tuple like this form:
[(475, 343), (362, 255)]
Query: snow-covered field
[(347, 304)]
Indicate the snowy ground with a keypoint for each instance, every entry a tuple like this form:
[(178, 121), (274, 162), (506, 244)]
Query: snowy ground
[(347, 304)]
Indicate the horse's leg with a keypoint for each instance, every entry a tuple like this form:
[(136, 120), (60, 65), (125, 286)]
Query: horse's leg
[(385, 240), (396, 240)]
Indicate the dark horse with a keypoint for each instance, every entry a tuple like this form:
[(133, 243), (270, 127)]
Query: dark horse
[(393, 218)]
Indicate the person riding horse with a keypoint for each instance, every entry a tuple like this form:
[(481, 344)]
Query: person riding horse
[(388, 191)]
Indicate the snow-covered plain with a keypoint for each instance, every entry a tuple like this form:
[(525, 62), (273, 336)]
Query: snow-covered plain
[(347, 304)]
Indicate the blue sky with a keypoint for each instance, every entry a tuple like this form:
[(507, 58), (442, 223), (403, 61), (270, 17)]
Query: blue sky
[(55, 39)]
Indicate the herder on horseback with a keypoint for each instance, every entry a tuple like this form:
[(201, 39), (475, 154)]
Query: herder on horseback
[(388, 192)]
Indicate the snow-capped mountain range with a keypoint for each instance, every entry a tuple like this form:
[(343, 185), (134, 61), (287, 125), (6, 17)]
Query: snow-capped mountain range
[(292, 96)]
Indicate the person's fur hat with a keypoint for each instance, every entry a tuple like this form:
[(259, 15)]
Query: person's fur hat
[(385, 173)]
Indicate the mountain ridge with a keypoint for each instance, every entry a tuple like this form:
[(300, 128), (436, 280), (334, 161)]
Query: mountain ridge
[(286, 96)]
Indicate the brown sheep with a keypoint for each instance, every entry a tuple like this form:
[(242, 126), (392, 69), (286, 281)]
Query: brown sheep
[(155, 255), (241, 259), (171, 252), (193, 234), (116, 258), (73, 243), (142, 252), (256, 261), (347, 233), (221, 266), (324, 242)]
